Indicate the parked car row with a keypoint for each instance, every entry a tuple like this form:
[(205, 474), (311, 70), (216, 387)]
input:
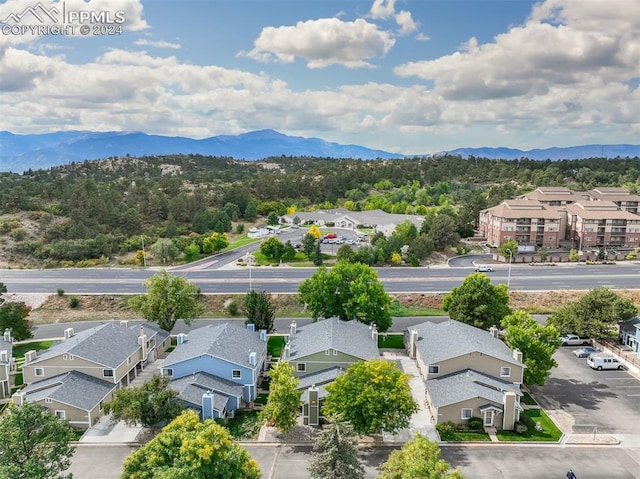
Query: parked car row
[(597, 360)]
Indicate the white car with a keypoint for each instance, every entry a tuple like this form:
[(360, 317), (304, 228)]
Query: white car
[(484, 268), (574, 340)]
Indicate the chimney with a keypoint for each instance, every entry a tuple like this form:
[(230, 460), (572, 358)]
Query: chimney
[(142, 342), (314, 406), (124, 323), (181, 338), (374, 333), (263, 335), (207, 405), (4, 356), (517, 355), (253, 358), (494, 331), (286, 351), (7, 335), (30, 356), (251, 326), (292, 328), (413, 342), (68, 333), (509, 410), (18, 398)]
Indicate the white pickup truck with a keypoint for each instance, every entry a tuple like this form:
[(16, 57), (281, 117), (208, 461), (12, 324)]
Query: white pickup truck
[(574, 340)]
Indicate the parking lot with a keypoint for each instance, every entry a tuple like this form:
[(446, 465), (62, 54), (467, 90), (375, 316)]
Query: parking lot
[(608, 400)]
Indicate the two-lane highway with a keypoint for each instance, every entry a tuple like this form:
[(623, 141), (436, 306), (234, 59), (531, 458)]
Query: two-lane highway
[(286, 279)]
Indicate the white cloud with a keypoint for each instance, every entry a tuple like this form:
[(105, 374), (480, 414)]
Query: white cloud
[(157, 43), (421, 37), (323, 42), (406, 22), (382, 9)]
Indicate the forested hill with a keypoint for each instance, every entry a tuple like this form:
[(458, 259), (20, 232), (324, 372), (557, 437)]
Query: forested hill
[(85, 210)]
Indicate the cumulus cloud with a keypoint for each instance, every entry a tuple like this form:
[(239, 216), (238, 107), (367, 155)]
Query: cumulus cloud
[(406, 22), (421, 37), (323, 42), (382, 9), (157, 43)]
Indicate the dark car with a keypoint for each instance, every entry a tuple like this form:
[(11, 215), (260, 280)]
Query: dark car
[(585, 352)]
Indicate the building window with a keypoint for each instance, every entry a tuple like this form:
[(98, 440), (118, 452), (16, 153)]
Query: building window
[(327, 352), (168, 372), (335, 352), (107, 373), (64, 357), (302, 367), (505, 372), (101, 405), (60, 414), (467, 413), (129, 360), (434, 369), (71, 357), (39, 372), (236, 374), (48, 400)]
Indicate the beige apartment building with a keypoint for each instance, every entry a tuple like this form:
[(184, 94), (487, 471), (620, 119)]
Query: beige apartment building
[(602, 224)]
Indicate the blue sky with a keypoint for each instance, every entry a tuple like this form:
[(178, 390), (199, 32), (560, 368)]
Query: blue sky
[(412, 76)]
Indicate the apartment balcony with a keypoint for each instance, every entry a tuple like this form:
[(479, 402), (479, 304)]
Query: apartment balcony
[(618, 231), (618, 222), (523, 221), (602, 223), (522, 229)]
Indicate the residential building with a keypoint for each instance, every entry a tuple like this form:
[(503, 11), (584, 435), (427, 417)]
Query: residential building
[(210, 396), (6, 363), (74, 396), (112, 352), (528, 222), (226, 352), (601, 223), (555, 195), (628, 334), (468, 372), (623, 198)]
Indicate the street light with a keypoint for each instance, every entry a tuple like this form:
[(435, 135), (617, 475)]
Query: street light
[(509, 274)]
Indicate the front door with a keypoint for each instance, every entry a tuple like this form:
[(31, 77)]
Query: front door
[(488, 418)]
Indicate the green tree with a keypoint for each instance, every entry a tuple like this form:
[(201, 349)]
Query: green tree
[(478, 302), (289, 252), (188, 448), (595, 315), (272, 248), (543, 253), (191, 251), (348, 291), (418, 458), (346, 253), (272, 219), (259, 310), (154, 403), (3, 289), (251, 211), (35, 444), (443, 232), (536, 342), (164, 249), (283, 404), (13, 316), (317, 255), (508, 249), (374, 396), (573, 255), (335, 452), (215, 242), (169, 297), (309, 245), (406, 232)]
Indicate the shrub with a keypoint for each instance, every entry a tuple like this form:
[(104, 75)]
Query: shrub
[(445, 427), (232, 308), (60, 292), (73, 302), (526, 420), (475, 423), (463, 426), (520, 427)]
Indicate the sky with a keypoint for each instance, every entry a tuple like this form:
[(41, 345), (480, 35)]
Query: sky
[(404, 76)]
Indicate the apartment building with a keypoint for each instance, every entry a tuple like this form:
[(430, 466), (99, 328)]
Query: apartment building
[(555, 195), (623, 198), (600, 223)]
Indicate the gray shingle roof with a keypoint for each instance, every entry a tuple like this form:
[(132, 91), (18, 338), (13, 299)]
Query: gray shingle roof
[(467, 384), (320, 377), (8, 347), (450, 339), (109, 344), (349, 337), (73, 388), (225, 341), (191, 388), (322, 393), (369, 217)]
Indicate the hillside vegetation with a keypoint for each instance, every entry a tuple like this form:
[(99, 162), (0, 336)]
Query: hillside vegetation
[(101, 212)]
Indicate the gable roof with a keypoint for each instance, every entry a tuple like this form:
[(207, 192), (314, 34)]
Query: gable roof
[(8, 347), (191, 388), (348, 337), (450, 339), (72, 388), (319, 378), (225, 341), (467, 384), (630, 325), (109, 344)]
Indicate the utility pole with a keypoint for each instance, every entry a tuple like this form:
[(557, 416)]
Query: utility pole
[(144, 257)]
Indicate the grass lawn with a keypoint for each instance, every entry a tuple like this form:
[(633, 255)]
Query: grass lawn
[(392, 341), (245, 425), (240, 242), (528, 399), (20, 349), (549, 433), (457, 436), (275, 345)]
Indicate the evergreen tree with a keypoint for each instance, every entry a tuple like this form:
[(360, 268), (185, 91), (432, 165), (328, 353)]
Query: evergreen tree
[(317, 257), (335, 452)]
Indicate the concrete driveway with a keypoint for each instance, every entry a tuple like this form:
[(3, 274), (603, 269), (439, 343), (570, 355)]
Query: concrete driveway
[(581, 398)]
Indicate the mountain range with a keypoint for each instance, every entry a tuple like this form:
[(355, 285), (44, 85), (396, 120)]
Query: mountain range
[(40, 151)]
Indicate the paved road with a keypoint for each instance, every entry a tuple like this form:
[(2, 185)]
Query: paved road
[(287, 279), (475, 462)]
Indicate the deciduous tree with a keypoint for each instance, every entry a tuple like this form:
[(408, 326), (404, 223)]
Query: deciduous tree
[(188, 448), (508, 249), (272, 248), (283, 404), (168, 298), (309, 245), (348, 291), (478, 302), (153, 403), (335, 452), (374, 396), (259, 309), (536, 342), (35, 444), (215, 242), (164, 249), (13, 316), (418, 458)]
